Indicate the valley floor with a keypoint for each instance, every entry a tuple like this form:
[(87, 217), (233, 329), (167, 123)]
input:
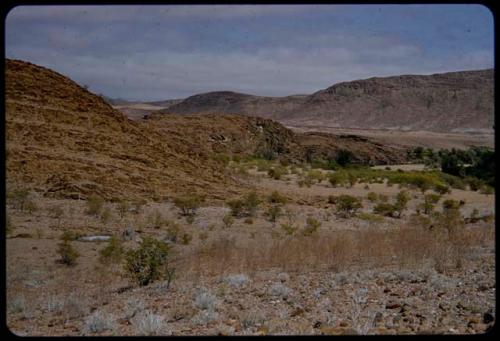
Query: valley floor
[(366, 274)]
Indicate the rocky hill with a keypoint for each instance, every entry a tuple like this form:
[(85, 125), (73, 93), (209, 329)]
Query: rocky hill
[(448, 102), (64, 141)]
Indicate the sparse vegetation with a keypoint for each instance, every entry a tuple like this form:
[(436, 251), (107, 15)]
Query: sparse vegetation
[(228, 220), (312, 225), (276, 198), (113, 252), (149, 262), (188, 204), (94, 205), (67, 253), (347, 205), (244, 207)]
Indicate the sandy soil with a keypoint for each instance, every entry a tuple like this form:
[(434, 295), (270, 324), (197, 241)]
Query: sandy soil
[(224, 293)]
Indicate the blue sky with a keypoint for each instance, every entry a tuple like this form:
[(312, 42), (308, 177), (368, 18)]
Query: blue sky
[(162, 52)]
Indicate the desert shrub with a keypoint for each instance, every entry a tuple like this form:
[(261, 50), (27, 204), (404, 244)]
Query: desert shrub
[(149, 262), (228, 220), (276, 198), (474, 216), (289, 228), (486, 189), (370, 217), (305, 181), (338, 179), (106, 215), (55, 211), (173, 232), (186, 238), (372, 197), (188, 204), (94, 205), (383, 198), (277, 172), (402, 200), (150, 324), (450, 219), (347, 205), (441, 188), (246, 206), (385, 209), (450, 204), (113, 252), (67, 253), (223, 158), (351, 179), (312, 225), (332, 199), (273, 213), (123, 207), (473, 183), (22, 200), (69, 235), (9, 228), (155, 220), (428, 205), (315, 176), (248, 221), (99, 322)]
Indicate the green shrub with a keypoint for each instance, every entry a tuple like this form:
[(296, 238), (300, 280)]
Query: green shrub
[(315, 176), (451, 204), (94, 205), (372, 197), (186, 238), (113, 252), (188, 204), (273, 213), (428, 205), (332, 199), (149, 262), (67, 252), (290, 229), (123, 208), (385, 209), (173, 232), (337, 179), (486, 189), (106, 215), (277, 172), (370, 217), (441, 188), (228, 220), (22, 200), (347, 205), (276, 198), (246, 206), (401, 204), (312, 225), (383, 198)]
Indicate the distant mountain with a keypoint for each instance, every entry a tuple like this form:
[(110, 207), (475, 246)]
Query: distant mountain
[(448, 102)]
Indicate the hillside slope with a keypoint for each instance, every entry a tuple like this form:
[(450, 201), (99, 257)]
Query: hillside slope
[(448, 102), (65, 141)]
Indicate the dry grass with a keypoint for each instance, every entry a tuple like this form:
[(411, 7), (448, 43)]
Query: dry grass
[(407, 247)]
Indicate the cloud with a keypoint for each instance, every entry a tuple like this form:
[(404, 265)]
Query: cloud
[(136, 53)]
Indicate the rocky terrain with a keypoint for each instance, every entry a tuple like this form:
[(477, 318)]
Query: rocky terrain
[(460, 102), (254, 237), (65, 141)]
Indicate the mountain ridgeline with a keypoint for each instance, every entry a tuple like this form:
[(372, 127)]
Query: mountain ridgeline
[(459, 102)]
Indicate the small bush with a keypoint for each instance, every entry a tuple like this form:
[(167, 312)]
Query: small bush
[(188, 204), (402, 200), (332, 199), (289, 228), (372, 197), (186, 238), (106, 215), (67, 253), (123, 207), (273, 213), (246, 206), (248, 221), (312, 225), (347, 205), (173, 232), (451, 204), (315, 176), (277, 172), (149, 262), (113, 252), (228, 220), (150, 324), (94, 205), (370, 217), (98, 322), (385, 209), (383, 198), (338, 179), (276, 198)]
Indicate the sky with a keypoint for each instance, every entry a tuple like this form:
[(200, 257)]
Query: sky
[(154, 52)]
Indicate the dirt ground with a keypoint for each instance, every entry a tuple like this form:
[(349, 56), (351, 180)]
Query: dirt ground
[(252, 278)]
